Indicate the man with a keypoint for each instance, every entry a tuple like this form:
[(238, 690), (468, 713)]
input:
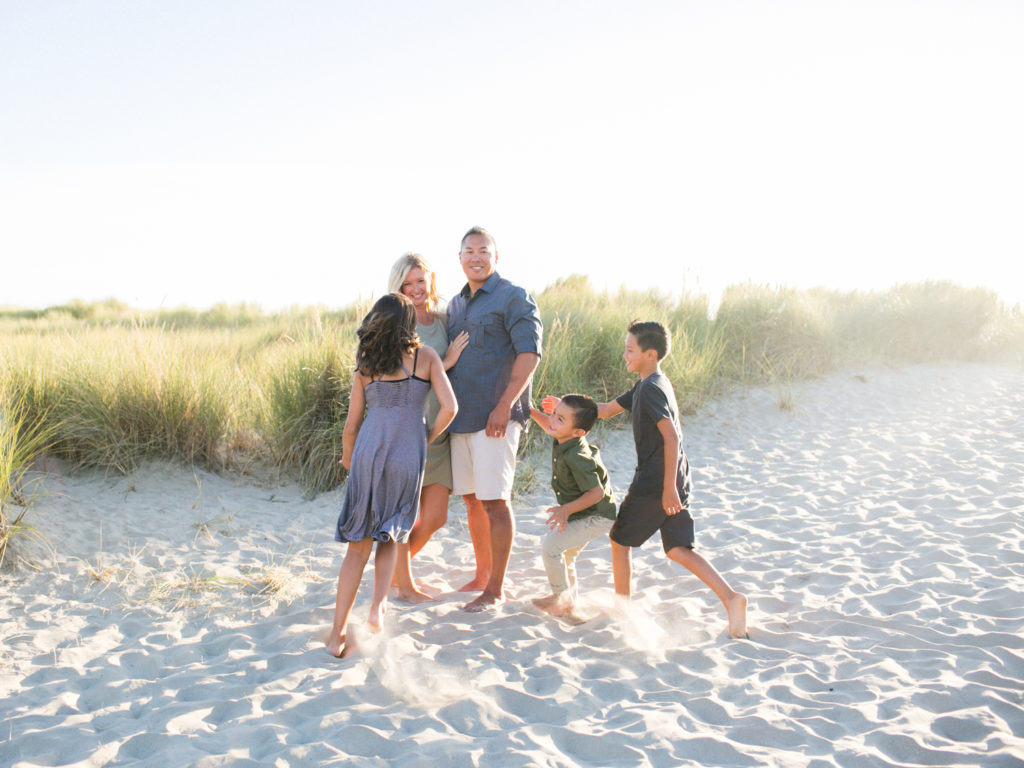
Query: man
[(492, 385)]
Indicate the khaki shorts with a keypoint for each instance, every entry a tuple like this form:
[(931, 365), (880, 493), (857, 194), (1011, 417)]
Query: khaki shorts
[(438, 470), (485, 466)]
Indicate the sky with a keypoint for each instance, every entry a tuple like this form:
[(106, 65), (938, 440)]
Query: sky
[(287, 153)]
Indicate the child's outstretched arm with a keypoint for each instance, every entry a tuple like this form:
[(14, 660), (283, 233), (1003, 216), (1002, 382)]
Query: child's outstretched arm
[(604, 410), (670, 494), (609, 409), (542, 419), (445, 396), (354, 420)]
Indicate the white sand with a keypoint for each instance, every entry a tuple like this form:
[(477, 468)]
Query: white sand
[(877, 529)]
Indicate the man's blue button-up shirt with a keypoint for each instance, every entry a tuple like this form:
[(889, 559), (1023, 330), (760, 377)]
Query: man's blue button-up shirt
[(503, 321)]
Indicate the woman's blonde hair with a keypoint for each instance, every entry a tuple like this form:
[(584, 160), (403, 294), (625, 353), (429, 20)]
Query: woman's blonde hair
[(400, 271)]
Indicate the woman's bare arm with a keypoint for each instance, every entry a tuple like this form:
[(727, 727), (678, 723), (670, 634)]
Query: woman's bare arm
[(445, 396)]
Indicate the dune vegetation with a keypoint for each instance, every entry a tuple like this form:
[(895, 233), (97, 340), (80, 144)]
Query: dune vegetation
[(104, 386)]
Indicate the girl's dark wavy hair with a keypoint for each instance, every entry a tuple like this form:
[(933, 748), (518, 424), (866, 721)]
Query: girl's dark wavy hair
[(386, 334)]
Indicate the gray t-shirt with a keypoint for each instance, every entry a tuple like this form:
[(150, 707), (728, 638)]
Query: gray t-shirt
[(648, 402)]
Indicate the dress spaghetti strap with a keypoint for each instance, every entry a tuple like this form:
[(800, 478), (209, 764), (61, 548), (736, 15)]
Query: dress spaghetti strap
[(408, 375)]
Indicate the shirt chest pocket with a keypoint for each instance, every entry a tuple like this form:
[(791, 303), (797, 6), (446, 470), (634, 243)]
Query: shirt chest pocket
[(487, 334)]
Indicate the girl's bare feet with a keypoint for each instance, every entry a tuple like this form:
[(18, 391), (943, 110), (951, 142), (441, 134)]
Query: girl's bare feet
[(375, 621), (342, 647), (335, 646)]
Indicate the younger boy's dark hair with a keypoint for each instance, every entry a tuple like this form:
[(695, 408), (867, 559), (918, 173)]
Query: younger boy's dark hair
[(650, 334), (584, 411)]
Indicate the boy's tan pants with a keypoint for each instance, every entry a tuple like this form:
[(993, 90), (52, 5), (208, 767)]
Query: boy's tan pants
[(559, 550)]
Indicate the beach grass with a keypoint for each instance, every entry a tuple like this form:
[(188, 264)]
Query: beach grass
[(24, 437), (234, 387)]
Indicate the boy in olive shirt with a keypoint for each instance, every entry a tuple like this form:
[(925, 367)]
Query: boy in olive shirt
[(586, 508)]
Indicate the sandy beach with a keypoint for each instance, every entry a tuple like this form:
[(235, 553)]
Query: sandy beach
[(177, 617)]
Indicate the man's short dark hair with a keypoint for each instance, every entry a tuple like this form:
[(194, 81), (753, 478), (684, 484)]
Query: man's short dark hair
[(584, 411), (479, 231), (651, 334)]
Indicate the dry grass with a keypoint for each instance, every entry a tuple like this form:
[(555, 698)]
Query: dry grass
[(24, 436), (233, 387)]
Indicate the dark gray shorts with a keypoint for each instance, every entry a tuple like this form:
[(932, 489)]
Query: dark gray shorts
[(640, 516)]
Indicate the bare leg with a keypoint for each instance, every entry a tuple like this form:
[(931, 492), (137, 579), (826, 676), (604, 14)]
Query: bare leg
[(480, 534), (502, 531), (383, 571), (407, 591), (349, 576), (433, 515), (622, 569), (735, 603)]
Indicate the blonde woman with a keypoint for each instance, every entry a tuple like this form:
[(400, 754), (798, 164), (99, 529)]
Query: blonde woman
[(412, 276)]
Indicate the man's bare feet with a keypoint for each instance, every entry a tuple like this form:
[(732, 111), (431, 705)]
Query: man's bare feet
[(484, 601), (556, 604), (479, 582), (736, 607)]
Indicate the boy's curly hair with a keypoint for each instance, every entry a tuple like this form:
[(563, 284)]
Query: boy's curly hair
[(386, 334)]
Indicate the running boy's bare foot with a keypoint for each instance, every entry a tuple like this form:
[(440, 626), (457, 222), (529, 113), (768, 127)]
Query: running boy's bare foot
[(479, 582), (483, 602), (736, 607), (620, 608), (556, 604)]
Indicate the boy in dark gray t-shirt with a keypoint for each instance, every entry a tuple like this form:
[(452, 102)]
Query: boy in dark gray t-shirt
[(658, 497)]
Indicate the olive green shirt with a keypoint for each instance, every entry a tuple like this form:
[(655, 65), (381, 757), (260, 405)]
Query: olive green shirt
[(576, 468)]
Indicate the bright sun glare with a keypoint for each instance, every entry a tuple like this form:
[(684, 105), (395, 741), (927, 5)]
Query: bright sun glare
[(229, 152)]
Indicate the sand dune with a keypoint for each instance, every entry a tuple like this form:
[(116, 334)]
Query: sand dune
[(876, 527)]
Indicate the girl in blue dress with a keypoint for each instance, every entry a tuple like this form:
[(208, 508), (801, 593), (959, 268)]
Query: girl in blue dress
[(384, 448)]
